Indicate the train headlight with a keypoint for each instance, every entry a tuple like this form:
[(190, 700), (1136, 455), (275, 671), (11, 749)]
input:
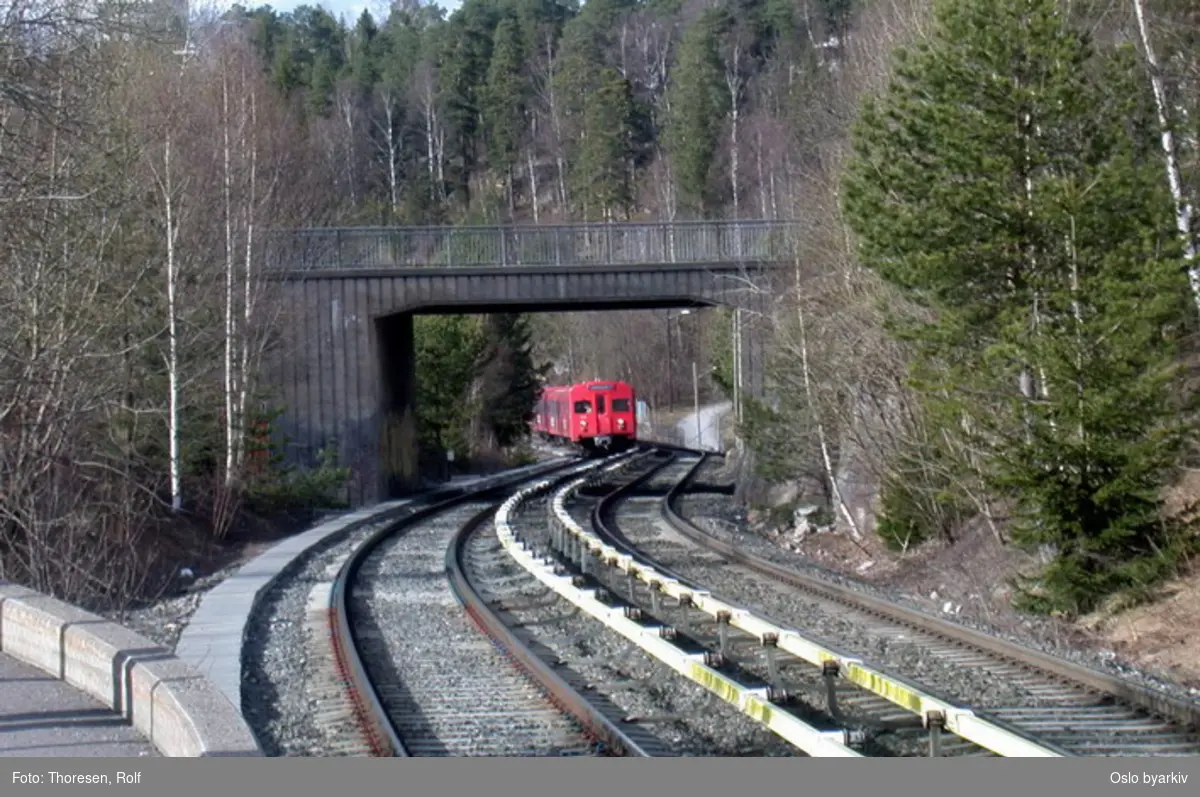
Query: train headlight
[(620, 423)]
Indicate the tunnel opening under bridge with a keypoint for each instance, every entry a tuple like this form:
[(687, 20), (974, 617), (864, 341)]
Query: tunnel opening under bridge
[(405, 466)]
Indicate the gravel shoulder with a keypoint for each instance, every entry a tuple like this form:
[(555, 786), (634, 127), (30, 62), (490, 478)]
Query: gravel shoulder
[(164, 620)]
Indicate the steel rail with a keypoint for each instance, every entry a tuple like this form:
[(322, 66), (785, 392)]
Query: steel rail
[(652, 639), (372, 716), (1185, 715), (559, 692), (935, 710)]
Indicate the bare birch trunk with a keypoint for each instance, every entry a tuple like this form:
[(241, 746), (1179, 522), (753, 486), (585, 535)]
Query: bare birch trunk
[(1183, 208), (762, 183), (556, 125), (393, 154), (346, 106), (1077, 312), (440, 153), (173, 341), (1025, 380), (533, 187), (247, 286), (435, 141), (230, 331), (826, 460), (734, 82)]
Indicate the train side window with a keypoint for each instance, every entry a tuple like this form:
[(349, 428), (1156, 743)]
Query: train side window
[(599, 405), (620, 405), (583, 406)]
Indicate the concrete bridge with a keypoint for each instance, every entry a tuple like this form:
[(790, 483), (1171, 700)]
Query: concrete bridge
[(344, 366)]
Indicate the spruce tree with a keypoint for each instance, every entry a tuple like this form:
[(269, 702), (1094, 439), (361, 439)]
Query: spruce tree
[(511, 380), (365, 58), (447, 348), (1003, 184), (504, 102), (698, 106), (600, 170)]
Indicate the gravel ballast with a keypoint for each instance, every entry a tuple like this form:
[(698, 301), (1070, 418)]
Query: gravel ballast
[(719, 516), (281, 680), (681, 714)]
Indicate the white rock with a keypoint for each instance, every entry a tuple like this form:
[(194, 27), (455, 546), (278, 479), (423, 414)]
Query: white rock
[(947, 606), (933, 595)]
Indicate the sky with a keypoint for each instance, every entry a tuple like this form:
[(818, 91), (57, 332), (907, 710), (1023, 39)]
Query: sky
[(347, 9)]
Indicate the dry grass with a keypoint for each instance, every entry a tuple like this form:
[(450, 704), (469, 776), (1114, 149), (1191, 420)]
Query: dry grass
[(1162, 635)]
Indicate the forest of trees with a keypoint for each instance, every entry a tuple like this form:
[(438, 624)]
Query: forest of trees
[(991, 313)]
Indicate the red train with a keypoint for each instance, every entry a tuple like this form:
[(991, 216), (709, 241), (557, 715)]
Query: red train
[(595, 415)]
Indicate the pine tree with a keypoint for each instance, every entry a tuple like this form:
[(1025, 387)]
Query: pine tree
[(1003, 185)]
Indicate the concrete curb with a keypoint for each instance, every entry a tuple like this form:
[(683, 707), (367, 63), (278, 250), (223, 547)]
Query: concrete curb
[(213, 638), (180, 712)]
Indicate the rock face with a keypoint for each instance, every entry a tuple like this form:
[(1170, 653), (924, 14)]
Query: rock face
[(856, 480), (859, 491), (751, 488), (853, 475)]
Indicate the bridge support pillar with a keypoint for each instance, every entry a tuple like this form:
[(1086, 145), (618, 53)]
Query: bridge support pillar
[(399, 471)]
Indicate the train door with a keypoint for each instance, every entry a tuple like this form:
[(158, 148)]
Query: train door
[(603, 422)]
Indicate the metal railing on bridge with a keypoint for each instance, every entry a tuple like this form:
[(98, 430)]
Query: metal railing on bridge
[(570, 245)]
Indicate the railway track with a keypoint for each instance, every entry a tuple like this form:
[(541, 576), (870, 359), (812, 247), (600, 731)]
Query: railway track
[(308, 689), (430, 669), (545, 679), (786, 682), (407, 610), (564, 566), (1057, 706), (655, 712), (446, 688)]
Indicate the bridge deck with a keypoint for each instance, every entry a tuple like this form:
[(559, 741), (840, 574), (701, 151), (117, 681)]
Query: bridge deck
[(550, 245)]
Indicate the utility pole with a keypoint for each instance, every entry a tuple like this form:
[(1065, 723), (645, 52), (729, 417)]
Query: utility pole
[(735, 346), (696, 404), (670, 356)]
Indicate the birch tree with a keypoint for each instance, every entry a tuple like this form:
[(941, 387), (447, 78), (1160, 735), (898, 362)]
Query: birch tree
[(1183, 206), (168, 183)]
